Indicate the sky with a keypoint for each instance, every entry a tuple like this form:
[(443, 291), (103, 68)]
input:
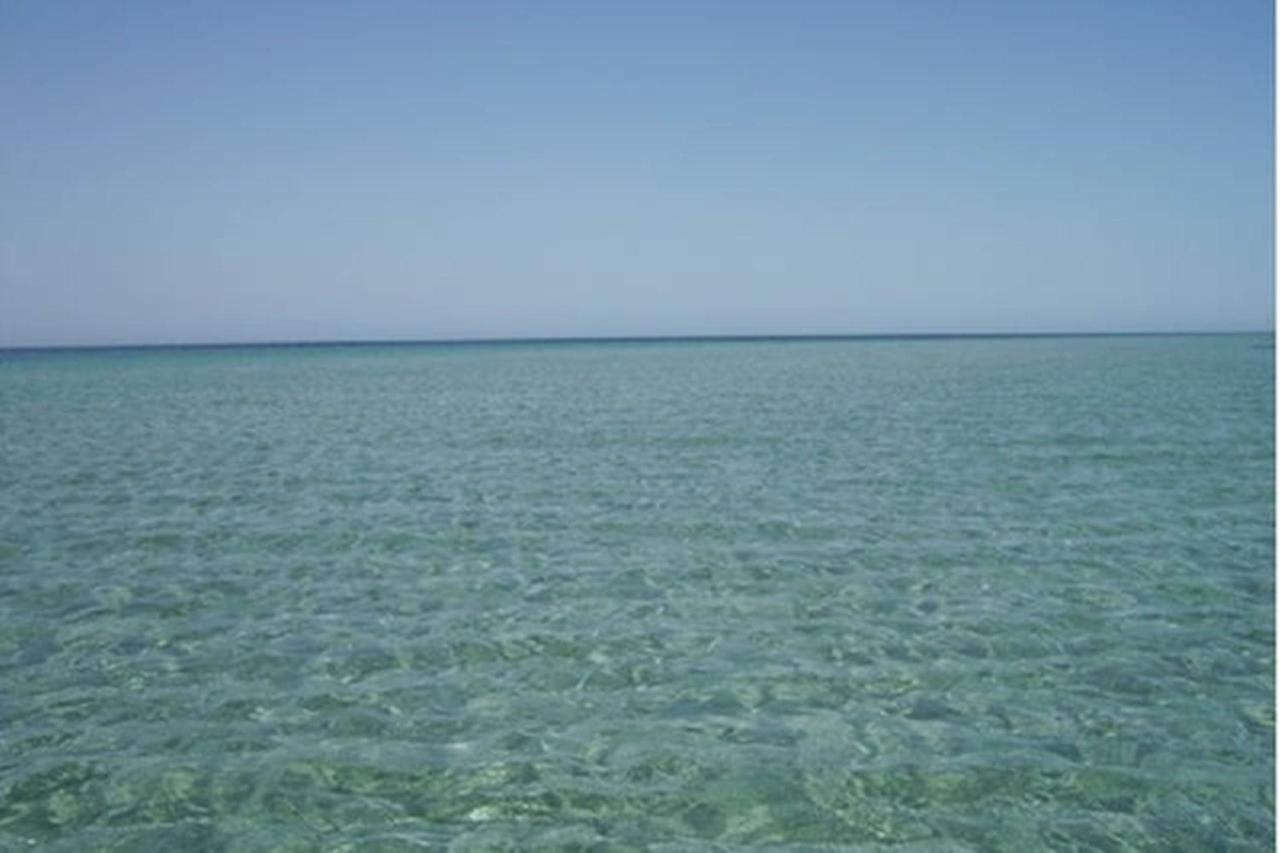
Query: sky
[(225, 172)]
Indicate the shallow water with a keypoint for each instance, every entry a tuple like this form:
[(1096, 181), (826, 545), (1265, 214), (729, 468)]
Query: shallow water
[(973, 594)]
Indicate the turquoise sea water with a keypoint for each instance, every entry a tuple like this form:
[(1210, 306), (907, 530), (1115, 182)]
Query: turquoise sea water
[(963, 594)]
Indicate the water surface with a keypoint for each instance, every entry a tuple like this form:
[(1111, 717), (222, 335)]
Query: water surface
[(968, 594)]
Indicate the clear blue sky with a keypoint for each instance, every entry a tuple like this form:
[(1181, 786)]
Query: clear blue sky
[(228, 171)]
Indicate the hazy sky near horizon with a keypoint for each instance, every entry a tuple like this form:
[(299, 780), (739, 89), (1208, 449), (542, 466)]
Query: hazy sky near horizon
[(301, 171)]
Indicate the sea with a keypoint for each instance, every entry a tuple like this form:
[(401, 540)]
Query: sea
[(900, 594)]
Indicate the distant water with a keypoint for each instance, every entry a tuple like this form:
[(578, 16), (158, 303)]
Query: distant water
[(970, 594)]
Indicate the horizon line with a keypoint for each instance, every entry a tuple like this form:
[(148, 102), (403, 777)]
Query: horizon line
[(602, 339)]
